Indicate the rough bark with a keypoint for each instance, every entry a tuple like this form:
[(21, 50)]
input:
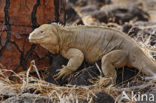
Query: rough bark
[(17, 19)]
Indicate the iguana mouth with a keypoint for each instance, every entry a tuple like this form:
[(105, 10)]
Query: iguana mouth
[(33, 39)]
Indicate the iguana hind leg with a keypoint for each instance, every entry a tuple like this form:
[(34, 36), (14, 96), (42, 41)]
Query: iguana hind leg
[(75, 57), (112, 60)]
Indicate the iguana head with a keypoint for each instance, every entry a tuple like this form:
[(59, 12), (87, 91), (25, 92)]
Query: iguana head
[(46, 36)]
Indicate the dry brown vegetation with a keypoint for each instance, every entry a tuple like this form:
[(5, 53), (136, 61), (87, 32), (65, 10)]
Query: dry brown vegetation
[(38, 88)]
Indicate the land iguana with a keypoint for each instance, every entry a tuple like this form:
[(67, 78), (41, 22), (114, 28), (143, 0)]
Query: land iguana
[(92, 43)]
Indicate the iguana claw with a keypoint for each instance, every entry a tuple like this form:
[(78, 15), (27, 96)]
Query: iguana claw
[(62, 73)]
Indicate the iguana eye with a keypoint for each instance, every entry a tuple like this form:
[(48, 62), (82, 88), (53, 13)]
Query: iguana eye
[(41, 31)]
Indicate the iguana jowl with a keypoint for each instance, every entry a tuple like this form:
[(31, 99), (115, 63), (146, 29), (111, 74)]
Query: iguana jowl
[(92, 43)]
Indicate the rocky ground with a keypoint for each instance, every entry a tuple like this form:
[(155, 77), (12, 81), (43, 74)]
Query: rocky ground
[(137, 18)]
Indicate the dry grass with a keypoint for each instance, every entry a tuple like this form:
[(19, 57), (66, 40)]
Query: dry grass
[(64, 94)]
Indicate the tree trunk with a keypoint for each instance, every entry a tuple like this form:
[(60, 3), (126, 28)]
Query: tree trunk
[(17, 19)]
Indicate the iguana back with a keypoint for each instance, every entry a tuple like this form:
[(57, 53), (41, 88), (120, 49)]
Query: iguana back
[(93, 41)]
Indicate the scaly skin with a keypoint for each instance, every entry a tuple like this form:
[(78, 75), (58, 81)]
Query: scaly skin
[(92, 43)]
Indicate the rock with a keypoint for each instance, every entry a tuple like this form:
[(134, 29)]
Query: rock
[(145, 33), (125, 74), (88, 10), (85, 73), (120, 14), (103, 98), (30, 90), (71, 15), (29, 98), (138, 29), (126, 27), (83, 76), (113, 13), (57, 63), (6, 91), (89, 2), (33, 98)]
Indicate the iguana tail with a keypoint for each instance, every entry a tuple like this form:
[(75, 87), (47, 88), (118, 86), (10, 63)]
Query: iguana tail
[(143, 62)]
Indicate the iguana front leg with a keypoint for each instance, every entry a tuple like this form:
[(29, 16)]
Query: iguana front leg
[(75, 57)]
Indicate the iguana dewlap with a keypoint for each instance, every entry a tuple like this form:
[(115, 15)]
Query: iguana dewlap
[(92, 43)]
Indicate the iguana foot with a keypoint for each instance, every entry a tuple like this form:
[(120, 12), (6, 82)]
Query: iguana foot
[(104, 81), (62, 73)]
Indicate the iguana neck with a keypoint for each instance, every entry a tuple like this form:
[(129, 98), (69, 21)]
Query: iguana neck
[(65, 38)]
